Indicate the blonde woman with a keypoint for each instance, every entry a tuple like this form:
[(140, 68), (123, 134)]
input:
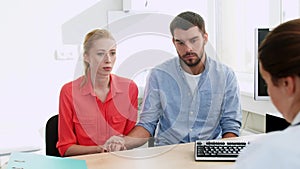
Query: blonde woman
[(97, 105)]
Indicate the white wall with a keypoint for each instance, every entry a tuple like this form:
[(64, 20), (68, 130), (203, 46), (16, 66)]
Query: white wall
[(32, 31), (237, 21), (36, 38), (31, 77)]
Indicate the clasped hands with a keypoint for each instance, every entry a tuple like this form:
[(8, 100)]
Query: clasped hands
[(114, 143)]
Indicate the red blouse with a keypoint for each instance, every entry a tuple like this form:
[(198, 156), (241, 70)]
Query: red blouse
[(85, 120)]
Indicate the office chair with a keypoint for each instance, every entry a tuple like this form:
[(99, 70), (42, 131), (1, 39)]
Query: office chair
[(51, 136), (151, 142)]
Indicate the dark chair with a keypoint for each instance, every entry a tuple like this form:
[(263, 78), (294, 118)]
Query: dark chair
[(51, 136), (151, 142)]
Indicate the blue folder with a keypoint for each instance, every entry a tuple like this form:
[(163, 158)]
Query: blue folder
[(20, 160)]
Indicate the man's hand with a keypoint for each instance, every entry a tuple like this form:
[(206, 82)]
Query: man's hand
[(115, 143)]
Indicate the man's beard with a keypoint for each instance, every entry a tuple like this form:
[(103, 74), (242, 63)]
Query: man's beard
[(192, 64)]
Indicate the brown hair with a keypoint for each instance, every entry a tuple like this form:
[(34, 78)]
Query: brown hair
[(87, 44), (279, 53), (186, 20)]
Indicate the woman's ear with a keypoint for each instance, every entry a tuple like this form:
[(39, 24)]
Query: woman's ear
[(86, 58), (289, 84)]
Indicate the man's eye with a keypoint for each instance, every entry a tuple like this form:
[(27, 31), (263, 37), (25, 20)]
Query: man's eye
[(193, 40), (180, 43)]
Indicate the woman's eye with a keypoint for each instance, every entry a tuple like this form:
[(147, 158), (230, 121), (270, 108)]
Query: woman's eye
[(100, 54), (112, 53)]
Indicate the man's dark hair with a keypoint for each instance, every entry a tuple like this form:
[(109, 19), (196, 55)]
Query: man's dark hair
[(186, 20)]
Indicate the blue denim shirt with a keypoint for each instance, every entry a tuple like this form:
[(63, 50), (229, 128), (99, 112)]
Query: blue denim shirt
[(173, 114)]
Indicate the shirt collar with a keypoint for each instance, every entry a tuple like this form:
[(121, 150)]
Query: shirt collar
[(87, 88), (296, 119), (114, 85)]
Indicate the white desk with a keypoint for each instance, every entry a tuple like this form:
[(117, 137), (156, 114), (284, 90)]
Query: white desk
[(173, 156), (16, 141)]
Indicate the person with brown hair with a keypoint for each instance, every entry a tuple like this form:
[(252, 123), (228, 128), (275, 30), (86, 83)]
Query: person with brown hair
[(279, 59), (188, 97), (98, 104)]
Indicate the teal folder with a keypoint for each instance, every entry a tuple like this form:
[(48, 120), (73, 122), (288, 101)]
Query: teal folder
[(20, 160)]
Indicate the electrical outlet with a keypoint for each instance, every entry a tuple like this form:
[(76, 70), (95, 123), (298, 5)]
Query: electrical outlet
[(66, 52)]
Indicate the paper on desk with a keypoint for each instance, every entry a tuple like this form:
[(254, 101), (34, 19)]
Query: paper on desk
[(20, 160)]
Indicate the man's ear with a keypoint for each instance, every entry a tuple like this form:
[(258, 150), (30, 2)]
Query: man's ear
[(205, 37)]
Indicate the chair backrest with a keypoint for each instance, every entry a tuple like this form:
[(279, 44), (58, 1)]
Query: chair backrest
[(51, 136)]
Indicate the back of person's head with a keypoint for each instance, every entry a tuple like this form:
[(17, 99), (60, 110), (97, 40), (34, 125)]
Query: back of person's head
[(279, 53), (186, 20)]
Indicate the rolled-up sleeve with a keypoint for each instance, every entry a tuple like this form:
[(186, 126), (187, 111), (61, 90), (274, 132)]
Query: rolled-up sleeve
[(231, 108), (65, 124), (151, 107)]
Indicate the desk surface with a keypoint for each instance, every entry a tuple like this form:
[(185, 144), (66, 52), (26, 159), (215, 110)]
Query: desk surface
[(171, 156)]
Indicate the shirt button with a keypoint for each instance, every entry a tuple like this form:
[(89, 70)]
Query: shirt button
[(191, 113), (191, 130)]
